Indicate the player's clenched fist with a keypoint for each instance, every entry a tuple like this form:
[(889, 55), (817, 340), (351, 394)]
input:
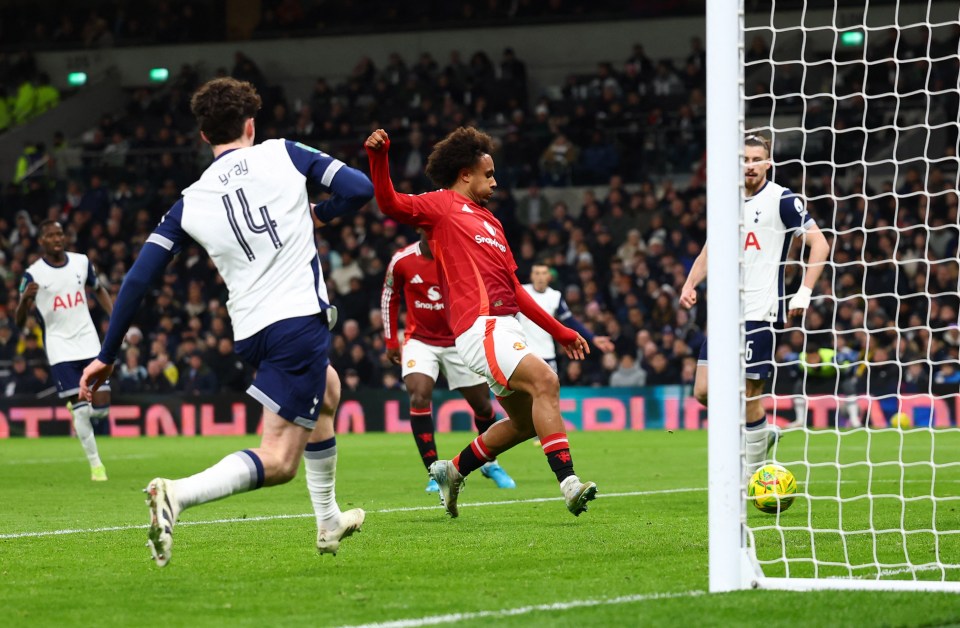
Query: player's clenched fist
[(378, 140), (688, 297)]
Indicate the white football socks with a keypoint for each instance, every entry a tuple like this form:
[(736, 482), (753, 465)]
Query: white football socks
[(320, 460), (853, 412), (239, 472), (81, 423), (100, 413), (756, 450)]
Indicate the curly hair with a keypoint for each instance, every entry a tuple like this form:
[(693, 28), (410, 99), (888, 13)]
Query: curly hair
[(222, 106), (458, 151)]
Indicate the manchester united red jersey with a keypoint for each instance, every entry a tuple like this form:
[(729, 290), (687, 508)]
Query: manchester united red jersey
[(476, 264), (416, 277)]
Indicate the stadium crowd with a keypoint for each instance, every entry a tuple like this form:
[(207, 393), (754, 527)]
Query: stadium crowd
[(620, 254)]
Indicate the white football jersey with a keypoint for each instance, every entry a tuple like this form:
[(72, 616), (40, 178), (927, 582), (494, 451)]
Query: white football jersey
[(61, 303), (540, 342), (250, 212), (768, 217)]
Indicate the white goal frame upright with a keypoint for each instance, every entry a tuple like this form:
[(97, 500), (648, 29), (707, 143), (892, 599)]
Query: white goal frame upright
[(732, 564)]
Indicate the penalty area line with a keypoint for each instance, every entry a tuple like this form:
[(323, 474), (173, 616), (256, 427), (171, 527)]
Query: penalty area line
[(45, 533), (524, 610)]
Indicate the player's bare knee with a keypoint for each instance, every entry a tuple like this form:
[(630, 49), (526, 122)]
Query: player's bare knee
[(420, 400), (547, 384)]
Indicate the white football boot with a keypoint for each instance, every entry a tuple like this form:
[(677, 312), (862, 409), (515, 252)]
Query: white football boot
[(450, 482), (163, 514), (577, 494), (328, 541)]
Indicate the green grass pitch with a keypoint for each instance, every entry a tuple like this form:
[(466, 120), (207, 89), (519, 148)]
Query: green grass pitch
[(517, 557)]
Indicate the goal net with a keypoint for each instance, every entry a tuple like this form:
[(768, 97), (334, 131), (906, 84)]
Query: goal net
[(860, 101)]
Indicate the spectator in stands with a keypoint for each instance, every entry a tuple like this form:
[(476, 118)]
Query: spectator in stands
[(557, 162), (661, 372), (628, 373), (25, 100), (534, 208), (6, 115), (21, 380), (198, 379), (600, 158), (513, 72), (156, 381), (230, 372), (8, 348), (131, 374)]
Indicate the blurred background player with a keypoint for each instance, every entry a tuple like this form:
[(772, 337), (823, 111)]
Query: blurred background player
[(770, 213), (826, 371), (428, 349), (57, 285), (483, 295), (551, 300), (249, 210)]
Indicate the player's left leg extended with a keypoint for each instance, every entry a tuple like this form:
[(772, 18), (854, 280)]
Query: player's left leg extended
[(478, 397), (274, 462)]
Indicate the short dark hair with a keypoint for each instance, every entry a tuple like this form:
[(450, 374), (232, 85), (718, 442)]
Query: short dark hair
[(458, 151), (222, 106), (42, 227), (757, 140)]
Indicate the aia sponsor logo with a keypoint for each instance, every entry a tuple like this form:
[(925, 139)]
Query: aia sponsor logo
[(67, 301)]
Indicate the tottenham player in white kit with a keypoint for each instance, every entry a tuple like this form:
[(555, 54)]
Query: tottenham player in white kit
[(771, 213), (57, 285), (250, 212), (540, 342)]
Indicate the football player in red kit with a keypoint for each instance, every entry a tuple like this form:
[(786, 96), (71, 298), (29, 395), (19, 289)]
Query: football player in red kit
[(483, 296)]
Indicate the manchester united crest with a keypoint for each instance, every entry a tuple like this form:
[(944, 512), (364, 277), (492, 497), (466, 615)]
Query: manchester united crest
[(411, 364), (519, 346)]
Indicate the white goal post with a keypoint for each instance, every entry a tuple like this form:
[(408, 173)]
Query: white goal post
[(860, 100)]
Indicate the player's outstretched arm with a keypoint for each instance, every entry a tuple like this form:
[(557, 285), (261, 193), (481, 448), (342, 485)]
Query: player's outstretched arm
[(27, 297), (349, 191), (145, 272), (578, 349), (409, 210), (698, 272), (349, 188), (572, 342), (816, 261)]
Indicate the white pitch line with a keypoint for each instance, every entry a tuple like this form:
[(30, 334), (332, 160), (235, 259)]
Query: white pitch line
[(524, 610), (74, 460), (23, 535), (45, 533)]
